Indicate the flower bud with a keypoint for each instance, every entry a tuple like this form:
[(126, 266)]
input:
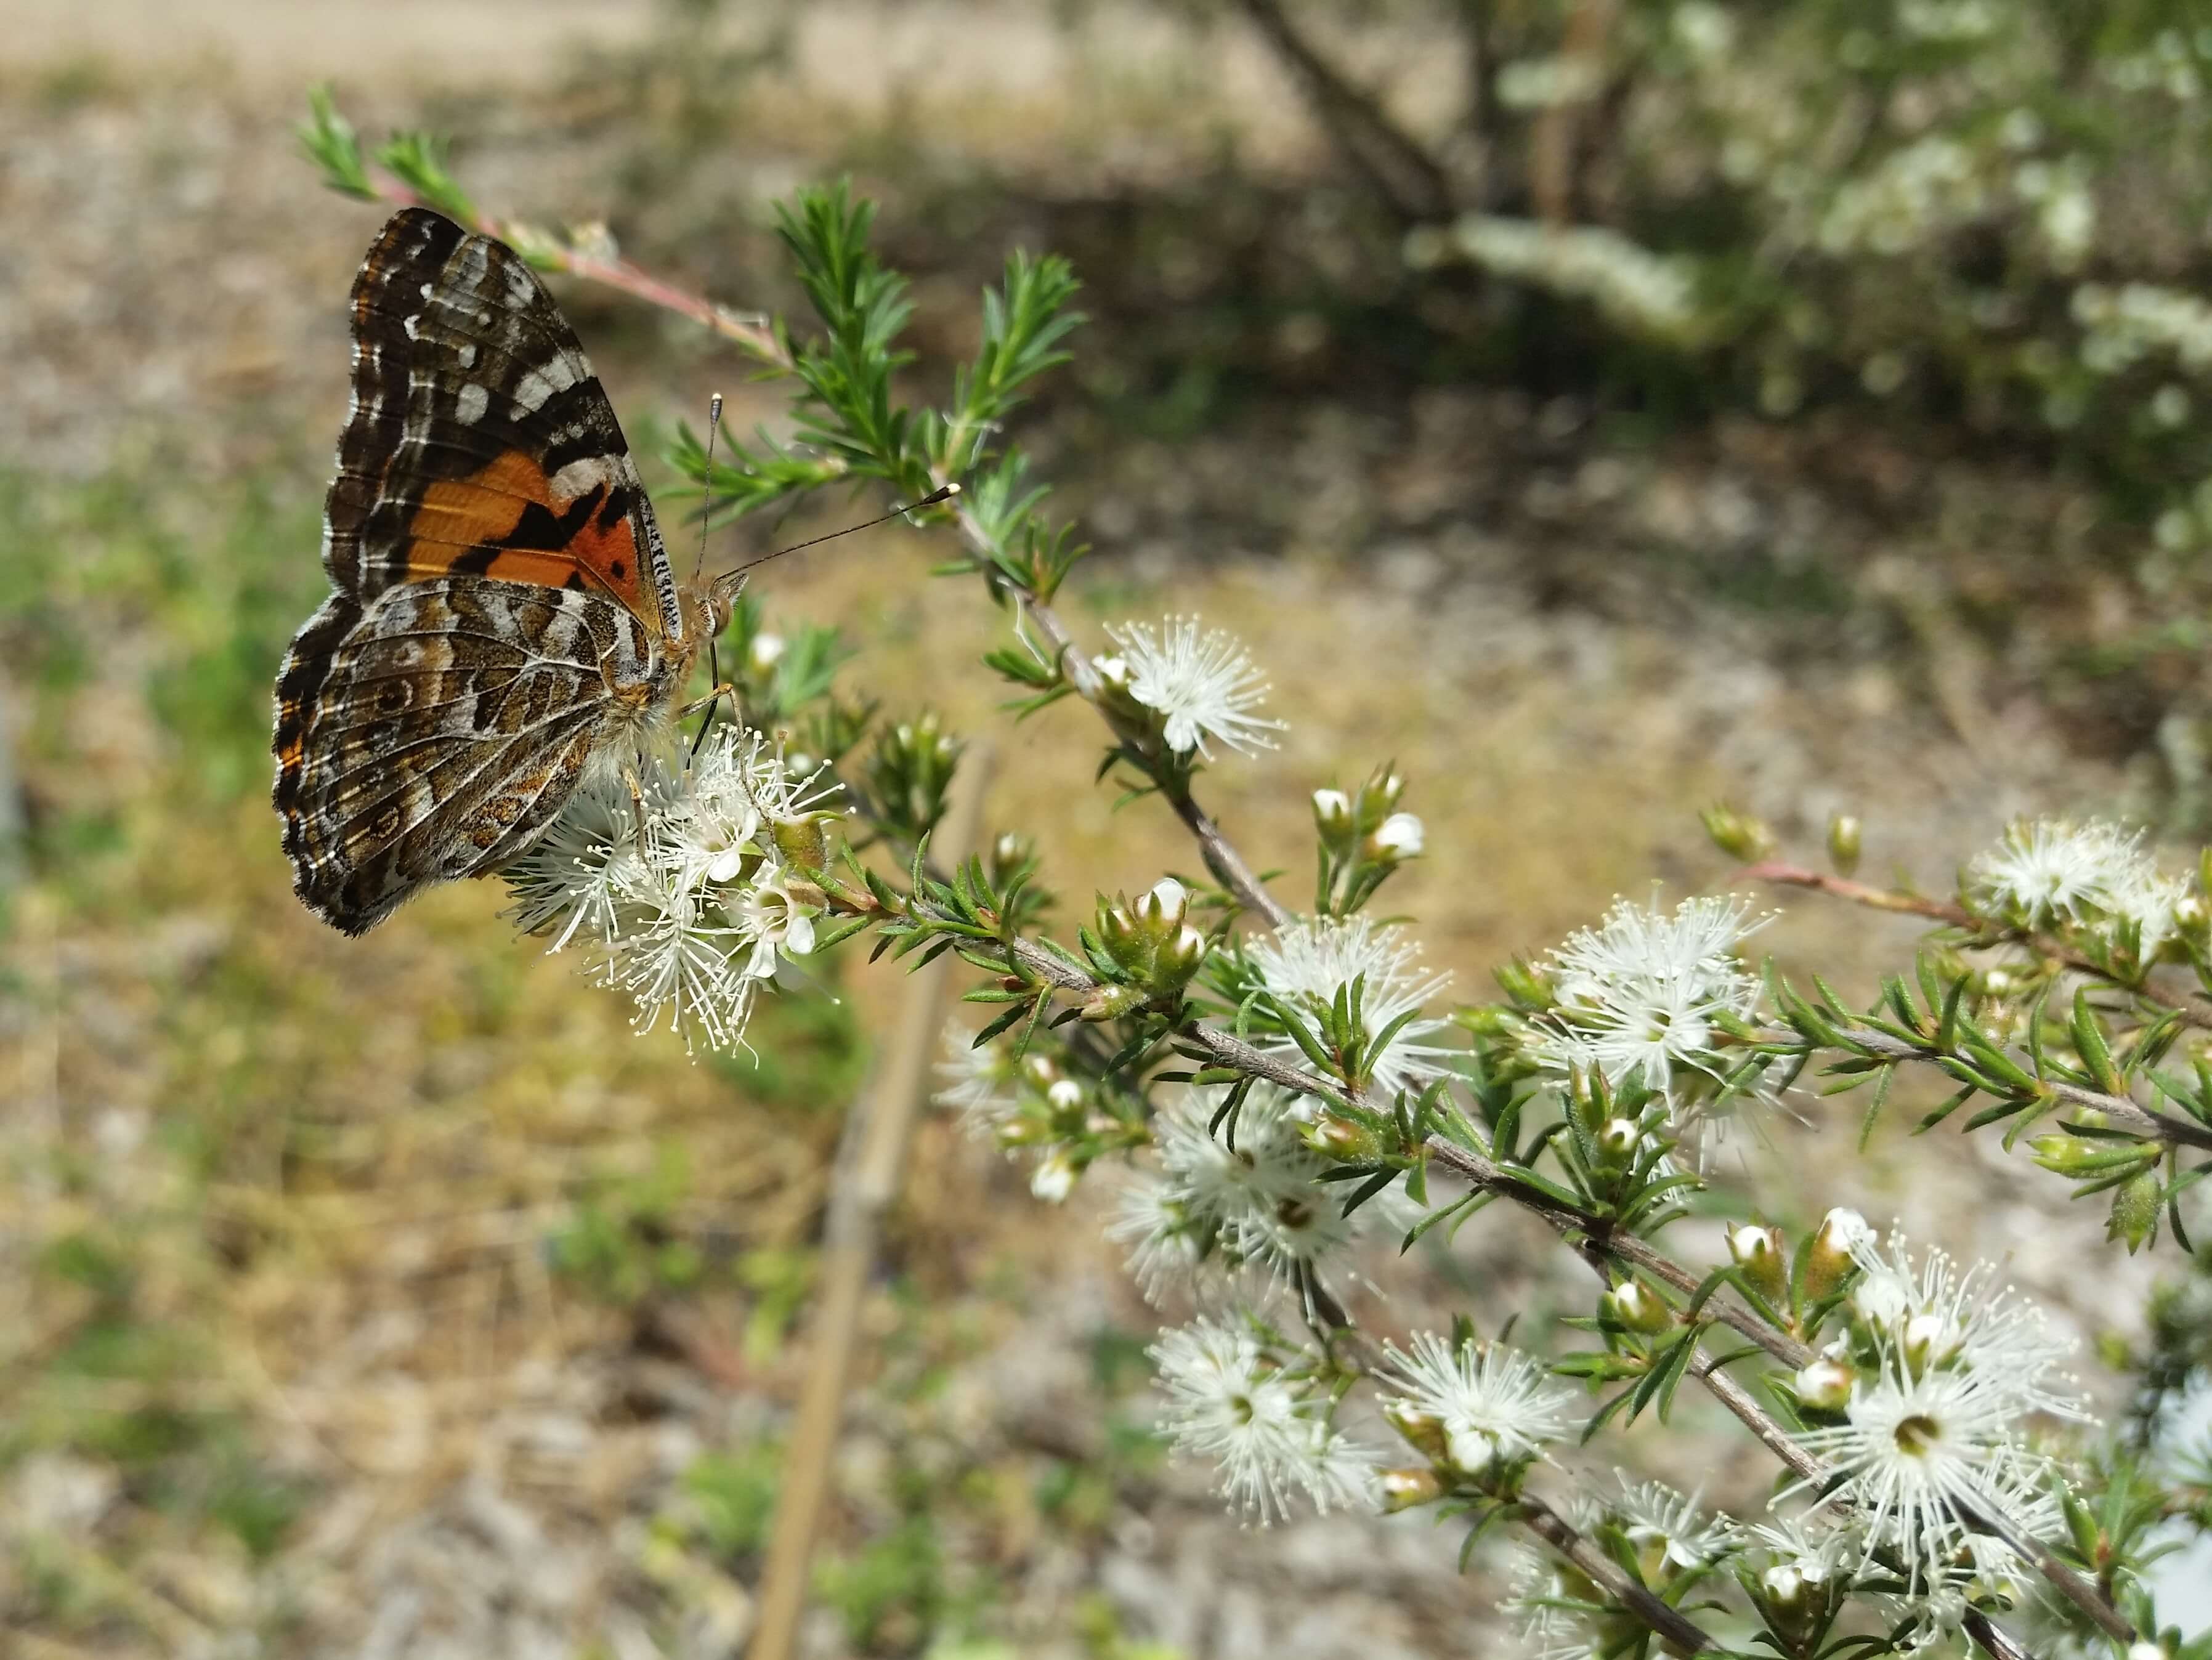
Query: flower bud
[(1422, 1432), (1112, 1002), (1066, 1095), (1638, 1308), (1618, 1139), (2134, 1221), (1009, 853), (1403, 1489), (1331, 812), (1783, 1588), (1525, 985), (1040, 1070), (1828, 1259), (1824, 1386), (1162, 905), (764, 652), (1022, 1131), (1758, 1252), (1844, 842), (2189, 915), (1395, 840), (1177, 960), (1053, 1179), (1378, 796), (1471, 1450), (2067, 1155), (1737, 834), (802, 842), (1342, 1139)]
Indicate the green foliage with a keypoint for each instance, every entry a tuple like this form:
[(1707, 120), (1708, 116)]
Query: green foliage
[(733, 1495)]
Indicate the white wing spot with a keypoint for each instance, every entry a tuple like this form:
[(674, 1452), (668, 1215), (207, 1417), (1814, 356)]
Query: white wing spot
[(409, 323), (559, 372), (471, 403), (467, 354), (579, 478)]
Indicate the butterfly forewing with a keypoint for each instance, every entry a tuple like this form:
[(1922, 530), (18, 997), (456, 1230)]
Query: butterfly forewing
[(503, 607)]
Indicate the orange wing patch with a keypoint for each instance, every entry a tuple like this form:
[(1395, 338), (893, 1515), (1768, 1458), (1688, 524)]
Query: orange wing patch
[(507, 521)]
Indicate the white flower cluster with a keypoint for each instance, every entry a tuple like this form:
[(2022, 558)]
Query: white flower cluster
[(1201, 680), (1944, 1377), (1305, 962), (1561, 1615), (2050, 873), (2126, 325), (691, 910), (1640, 996), (1490, 1406), (1926, 187), (1649, 292), (1260, 1205), (1246, 1406)]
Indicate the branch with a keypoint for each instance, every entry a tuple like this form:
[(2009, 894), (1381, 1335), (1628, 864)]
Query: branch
[(1683, 1634), (2194, 1010), (749, 332), (2143, 1120), (1408, 178)]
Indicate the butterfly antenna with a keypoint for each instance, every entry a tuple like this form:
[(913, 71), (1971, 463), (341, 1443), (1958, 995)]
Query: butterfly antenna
[(705, 510), (943, 493)]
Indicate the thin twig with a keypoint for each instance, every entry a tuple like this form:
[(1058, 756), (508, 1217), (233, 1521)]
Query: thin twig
[(2144, 1121), (1408, 179), (2194, 1009), (1682, 1633), (750, 334)]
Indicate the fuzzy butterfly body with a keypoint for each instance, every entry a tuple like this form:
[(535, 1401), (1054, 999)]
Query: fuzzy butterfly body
[(504, 619)]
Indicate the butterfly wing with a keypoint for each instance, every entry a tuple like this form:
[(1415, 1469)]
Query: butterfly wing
[(502, 600)]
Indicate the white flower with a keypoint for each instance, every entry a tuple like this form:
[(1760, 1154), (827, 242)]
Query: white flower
[(1262, 1202), (1940, 1318), (1153, 1221), (1919, 1449), (1807, 1549), (1643, 993), (2048, 872), (1204, 683), (1228, 1402), (1554, 1624), (775, 919), (974, 1080), (1053, 1179), (1495, 1404), (1667, 1529), (1305, 961), (669, 907)]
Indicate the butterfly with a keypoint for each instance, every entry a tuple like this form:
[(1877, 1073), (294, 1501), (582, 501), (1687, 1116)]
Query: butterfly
[(504, 623)]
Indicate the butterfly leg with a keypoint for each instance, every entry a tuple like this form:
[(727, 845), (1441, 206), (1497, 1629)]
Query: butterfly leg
[(722, 689), (637, 803)]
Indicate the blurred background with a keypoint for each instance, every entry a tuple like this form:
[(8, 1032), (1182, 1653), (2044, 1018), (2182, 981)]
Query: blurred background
[(1603, 407)]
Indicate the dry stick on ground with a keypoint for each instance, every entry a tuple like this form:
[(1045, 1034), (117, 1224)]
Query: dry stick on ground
[(874, 1157)]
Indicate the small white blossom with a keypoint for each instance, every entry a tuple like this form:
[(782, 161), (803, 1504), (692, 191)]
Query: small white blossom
[(1553, 1622), (1261, 1202), (1641, 994), (1204, 683), (1918, 1449), (2049, 871), (1940, 1318), (1053, 1179), (687, 911), (1496, 1405), (1230, 1402), (1305, 961), (974, 1081), (1153, 1221), (1668, 1528)]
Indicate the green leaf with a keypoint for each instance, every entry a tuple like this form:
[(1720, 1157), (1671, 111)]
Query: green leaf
[(329, 142)]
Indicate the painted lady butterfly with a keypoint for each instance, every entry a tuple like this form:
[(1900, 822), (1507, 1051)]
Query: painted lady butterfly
[(505, 620)]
